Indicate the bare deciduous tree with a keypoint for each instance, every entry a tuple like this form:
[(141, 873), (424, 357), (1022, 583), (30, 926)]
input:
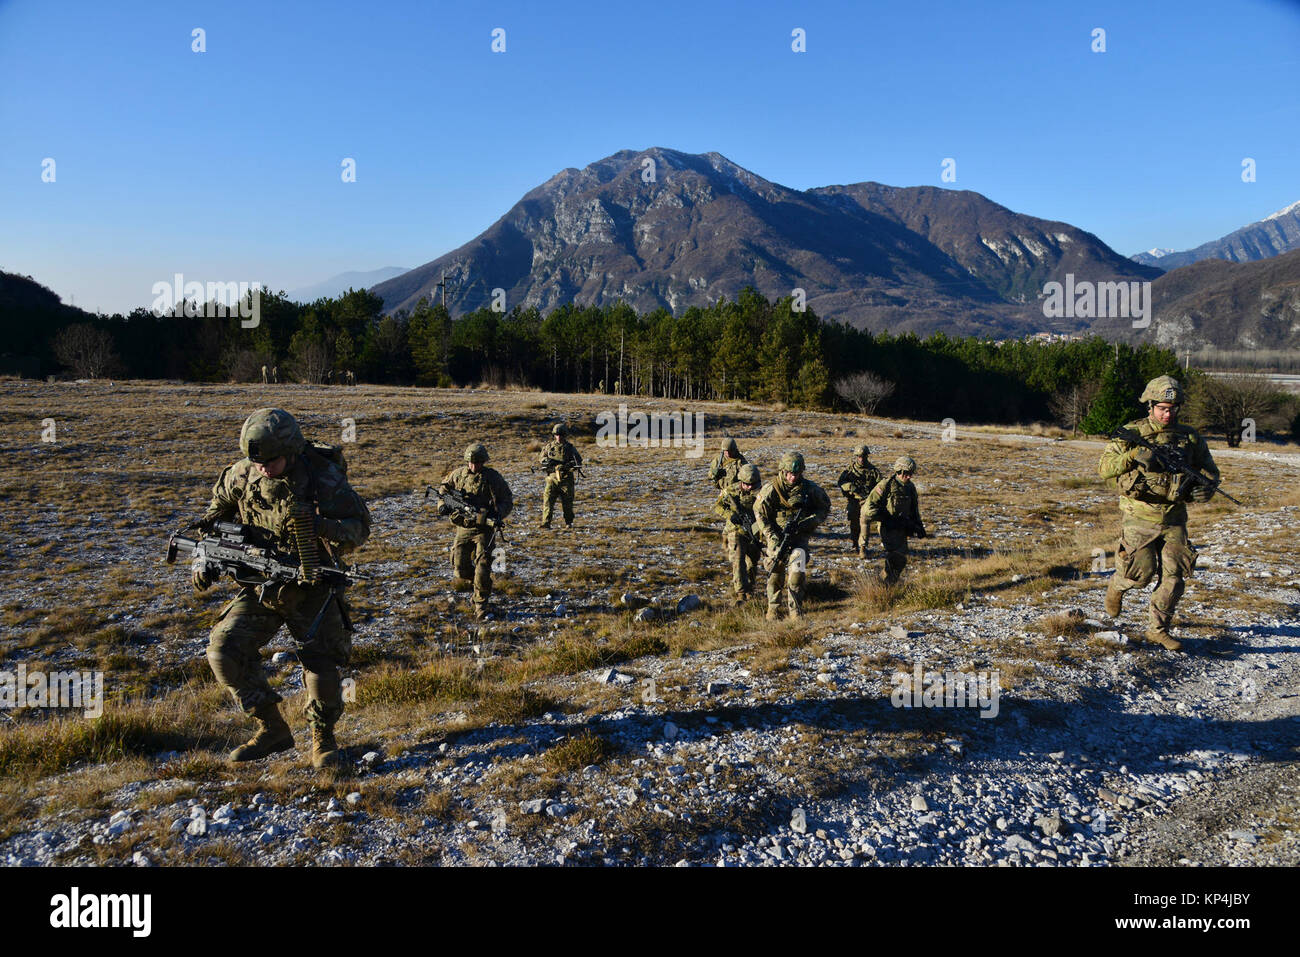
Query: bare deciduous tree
[(87, 351), (1070, 403), (245, 365), (1224, 403), (865, 390), (311, 359)]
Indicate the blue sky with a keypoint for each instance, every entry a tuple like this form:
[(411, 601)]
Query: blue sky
[(225, 165)]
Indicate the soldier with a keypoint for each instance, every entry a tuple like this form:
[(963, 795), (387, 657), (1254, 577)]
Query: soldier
[(1153, 537), (856, 482), (725, 465), (736, 505), (265, 376), (560, 460), (471, 550), (788, 509), (297, 492), (275, 375), (893, 504)]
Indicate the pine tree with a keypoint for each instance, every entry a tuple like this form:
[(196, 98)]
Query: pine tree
[(1116, 402)]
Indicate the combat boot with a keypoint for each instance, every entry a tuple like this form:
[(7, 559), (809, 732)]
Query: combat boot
[(324, 705), (1114, 601), (273, 735), (773, 612), (1165, 640), (325, 751)]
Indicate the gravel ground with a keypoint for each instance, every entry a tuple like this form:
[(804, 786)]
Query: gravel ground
[(1126, 755)]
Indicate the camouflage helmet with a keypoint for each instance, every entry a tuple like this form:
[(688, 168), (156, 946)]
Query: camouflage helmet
[(749, 475), (904, 463), (269, 434), (861, 451), (729, 445), (476, 452), (791, 462), (1163, 388), (559, 429)]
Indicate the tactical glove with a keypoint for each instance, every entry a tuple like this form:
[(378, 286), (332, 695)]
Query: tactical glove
[(1202, 493), (201, 578), (444, 509), (1147, 459)]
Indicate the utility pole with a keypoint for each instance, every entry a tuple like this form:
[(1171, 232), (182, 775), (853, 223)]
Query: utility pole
[(443, 286)]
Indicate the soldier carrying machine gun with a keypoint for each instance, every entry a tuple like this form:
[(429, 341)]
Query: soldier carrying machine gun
[(450, 500)]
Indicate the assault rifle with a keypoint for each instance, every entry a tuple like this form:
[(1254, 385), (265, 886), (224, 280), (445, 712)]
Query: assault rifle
[(788, 536), (744, 529), (231, 547), (562, 466), (453, 501), (1172, 460)]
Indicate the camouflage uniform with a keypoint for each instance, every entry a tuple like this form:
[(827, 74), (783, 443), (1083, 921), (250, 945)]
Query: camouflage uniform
[(893, 503), (251, 619), (774, 509), (560, 460), (1153, 537), (471, 549), (736, 505), (725, 465), (856, 482)]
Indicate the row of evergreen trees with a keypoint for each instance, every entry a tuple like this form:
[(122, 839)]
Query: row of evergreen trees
[(747, 348)]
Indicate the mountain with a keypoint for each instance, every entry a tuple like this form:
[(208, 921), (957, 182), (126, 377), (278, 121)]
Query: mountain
[(1009, 252), (30, 314), (661, 228), (1253, 305), (1273, 235), (337, 285)]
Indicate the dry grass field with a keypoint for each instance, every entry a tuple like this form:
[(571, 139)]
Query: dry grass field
[(1016, 521)]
